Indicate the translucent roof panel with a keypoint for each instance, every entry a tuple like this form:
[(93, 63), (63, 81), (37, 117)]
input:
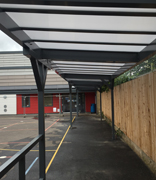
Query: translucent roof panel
[(91, 47), (90, 37), (89, 69), (92, 63), (83, 66), (83, 36), (93, 80), (84, 72), (86, 22)]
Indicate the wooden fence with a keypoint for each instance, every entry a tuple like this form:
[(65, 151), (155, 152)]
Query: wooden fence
[(135, 111)]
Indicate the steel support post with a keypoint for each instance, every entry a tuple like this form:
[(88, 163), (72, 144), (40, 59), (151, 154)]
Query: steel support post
[(112, 105), (60, 103), (100, 106), (96, 104), (40, 73), (77, 102), (24, 106), (70, 91), (22, 169), (41, 131)]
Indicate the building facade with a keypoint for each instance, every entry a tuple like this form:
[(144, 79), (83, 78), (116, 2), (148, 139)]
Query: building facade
[(18, 92)]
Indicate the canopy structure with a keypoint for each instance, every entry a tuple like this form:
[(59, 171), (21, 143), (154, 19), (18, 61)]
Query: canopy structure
[(87, 42)]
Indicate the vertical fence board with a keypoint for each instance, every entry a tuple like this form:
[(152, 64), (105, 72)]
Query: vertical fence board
[(154, 114), (135, 111)]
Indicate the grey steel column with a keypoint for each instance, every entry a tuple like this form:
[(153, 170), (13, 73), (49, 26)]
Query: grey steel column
[(96, 104), (100, 106), (24, 106), (41, 131), (77, 102), (70, 91), (40, 73), (22, 169), (112, 104), (60, 103)]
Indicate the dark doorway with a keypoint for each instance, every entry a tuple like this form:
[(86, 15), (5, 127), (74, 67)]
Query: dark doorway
[(82, 103), (66, 103)]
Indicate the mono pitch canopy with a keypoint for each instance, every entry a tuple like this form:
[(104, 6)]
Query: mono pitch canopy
[(87, 42)]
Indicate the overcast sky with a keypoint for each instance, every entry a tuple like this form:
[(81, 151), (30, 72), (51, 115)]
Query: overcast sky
[(7, 44)]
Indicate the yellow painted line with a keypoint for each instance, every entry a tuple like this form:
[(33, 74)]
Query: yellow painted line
[(19, 150), (73, 119), (58, 148)]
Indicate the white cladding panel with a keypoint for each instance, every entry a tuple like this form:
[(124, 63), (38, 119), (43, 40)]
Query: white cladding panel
[(15, 60), (8, 104), (22, 77)]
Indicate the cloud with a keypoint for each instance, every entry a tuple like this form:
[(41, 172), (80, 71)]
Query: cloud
[(7, 44)]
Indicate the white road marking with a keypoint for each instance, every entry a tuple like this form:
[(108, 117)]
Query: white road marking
[(3, 157)]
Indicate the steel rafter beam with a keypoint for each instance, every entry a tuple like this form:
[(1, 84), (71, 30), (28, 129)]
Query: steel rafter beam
[(82, 30), (87, 89), (82, 83), (85, 42), (89, 3), (86, 85), (85, 76), (89, 56), (79, 12)]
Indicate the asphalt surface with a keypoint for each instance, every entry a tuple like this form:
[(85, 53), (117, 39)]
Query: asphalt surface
[(86, 153), (16, 132)]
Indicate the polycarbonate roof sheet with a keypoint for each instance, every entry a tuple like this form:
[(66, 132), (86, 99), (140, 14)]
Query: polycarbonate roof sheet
[(85, 72), (92, 80), (90, 47), (107, 36), (91, 63), (90, 37), (88, 22)]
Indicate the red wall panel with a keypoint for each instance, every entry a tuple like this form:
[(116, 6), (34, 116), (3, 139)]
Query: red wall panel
[(89, 99), (33, 109)]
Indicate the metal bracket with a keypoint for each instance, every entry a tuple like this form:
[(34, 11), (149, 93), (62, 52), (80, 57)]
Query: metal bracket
[(40, 73)]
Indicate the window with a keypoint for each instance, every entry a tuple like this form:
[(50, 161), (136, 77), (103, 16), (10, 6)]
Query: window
[(25, 100), (48, 100)]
